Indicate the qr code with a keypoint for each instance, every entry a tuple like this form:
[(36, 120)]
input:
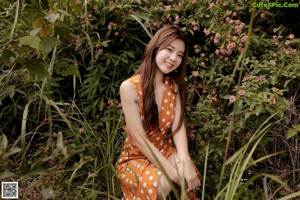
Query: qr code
[(9, 190)]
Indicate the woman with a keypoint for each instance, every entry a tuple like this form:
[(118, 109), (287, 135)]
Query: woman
[(153, 102)]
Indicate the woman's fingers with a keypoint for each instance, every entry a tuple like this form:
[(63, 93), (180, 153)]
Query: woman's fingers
[(193, 183)]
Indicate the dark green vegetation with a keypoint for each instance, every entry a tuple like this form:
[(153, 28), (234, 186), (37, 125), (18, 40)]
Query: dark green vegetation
[(61, 126)]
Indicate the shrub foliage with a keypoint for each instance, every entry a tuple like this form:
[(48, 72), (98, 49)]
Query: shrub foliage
[(61, 125)]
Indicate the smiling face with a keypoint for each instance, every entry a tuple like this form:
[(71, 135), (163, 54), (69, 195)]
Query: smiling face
[(169, 58)]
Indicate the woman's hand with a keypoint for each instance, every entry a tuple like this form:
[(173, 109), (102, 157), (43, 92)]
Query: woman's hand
[(192, 175), (186, 169)]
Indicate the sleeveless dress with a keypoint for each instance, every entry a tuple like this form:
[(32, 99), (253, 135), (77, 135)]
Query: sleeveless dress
[(138, 177)]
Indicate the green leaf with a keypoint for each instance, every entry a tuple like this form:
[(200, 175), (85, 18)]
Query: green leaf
[(32, 41), (35, 31), (48, 44), (3, 141), (12, 151), (37, 67), (33, 172), (8, 57), (291, 133), (61, 146), (66, 67), (48, 193), (63, 30), (258, 110), (4, 175)]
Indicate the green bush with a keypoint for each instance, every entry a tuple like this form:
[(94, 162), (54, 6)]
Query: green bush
[(61, 66)]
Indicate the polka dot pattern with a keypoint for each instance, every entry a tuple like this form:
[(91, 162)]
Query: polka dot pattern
[(138, 177)]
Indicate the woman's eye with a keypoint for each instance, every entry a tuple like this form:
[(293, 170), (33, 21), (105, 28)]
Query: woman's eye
[(180, 56), (169, 50)]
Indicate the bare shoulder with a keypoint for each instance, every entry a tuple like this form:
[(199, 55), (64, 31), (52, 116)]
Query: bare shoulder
[(127, 86), (127, 90)]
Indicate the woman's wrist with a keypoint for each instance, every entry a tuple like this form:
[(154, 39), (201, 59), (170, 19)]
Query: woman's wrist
[(185, 158)]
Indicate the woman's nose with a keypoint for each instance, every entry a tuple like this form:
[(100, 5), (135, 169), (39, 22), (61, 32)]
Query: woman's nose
[(173, 56)]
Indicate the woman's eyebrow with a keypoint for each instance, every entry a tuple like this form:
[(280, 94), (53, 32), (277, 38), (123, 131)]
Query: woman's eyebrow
[(174, 48)]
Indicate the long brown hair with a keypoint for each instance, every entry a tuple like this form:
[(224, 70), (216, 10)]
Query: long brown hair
[(162, 38)]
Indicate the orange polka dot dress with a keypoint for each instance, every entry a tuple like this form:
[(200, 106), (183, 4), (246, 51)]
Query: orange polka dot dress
[(138, 177)]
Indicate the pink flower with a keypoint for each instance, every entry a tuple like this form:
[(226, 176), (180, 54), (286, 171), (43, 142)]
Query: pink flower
[(262, 15), (81, 130), (287, 42), (242, 92), (100, 51), (244, 38), (232, 99), (202, 63), (78, 41), (218, 35), (206, 31), (110, 102), (83, 25), (272, 101), (211, 5), (109, 27), (202, 143), (154, 24), (195, 28), (234, 14), (293, 51), (194, 23), (168, 8), (234, 38), (225, 3), (194, 1), (291, 36), (228, 52), (274, 89), (95, 7), (117, 33), (217, 51), (192, 134), (202, 54), (228, 12), (223, 51), (248, 135), (195, 73), (197, 50)]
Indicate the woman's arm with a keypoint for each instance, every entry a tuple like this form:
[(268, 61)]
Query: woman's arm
[(181, 143), (134, 124)]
